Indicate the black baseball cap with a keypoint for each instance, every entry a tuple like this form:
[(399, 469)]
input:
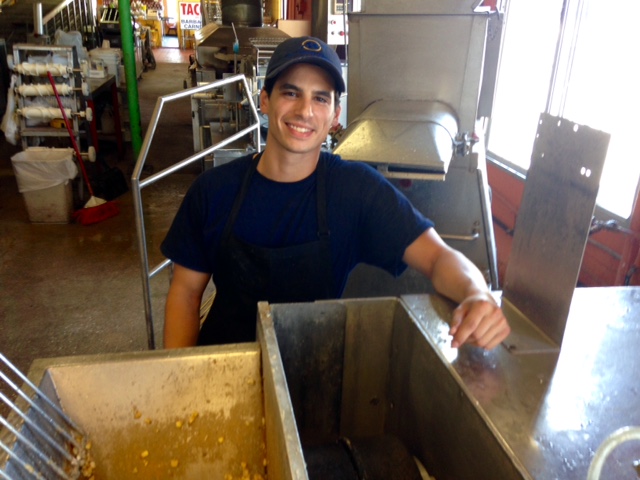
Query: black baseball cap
[(306, 50)]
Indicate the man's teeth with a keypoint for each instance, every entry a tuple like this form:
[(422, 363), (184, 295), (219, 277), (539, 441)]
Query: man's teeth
[(300, 129)]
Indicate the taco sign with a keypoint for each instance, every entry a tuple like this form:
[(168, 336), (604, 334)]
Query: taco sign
[(190, 16)]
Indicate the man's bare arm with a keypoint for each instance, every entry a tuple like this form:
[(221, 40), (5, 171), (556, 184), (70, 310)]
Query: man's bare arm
[(478, 319), (182, 310)]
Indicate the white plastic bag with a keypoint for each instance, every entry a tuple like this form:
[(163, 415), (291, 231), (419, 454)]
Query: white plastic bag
[(72, 38), (37, 168), (9, 121)]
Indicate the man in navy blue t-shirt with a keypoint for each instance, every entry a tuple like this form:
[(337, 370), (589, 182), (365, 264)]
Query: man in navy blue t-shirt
[(289, 224)]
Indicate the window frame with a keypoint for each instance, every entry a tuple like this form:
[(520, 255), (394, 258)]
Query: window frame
[(556, 96)]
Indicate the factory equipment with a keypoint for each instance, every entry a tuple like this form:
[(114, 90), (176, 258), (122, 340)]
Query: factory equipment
[(213, 411), (35, 103), (376, 374), (415, 78), (330, 20), (336, 379), (239, 44)]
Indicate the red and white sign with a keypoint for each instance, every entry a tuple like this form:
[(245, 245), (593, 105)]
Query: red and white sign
[(190, 18)]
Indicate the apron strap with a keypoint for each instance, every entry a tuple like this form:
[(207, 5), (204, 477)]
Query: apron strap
[(237, 203), (321, 199)]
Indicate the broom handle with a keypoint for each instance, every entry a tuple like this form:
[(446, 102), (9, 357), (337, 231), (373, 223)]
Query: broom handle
[(73, 138)]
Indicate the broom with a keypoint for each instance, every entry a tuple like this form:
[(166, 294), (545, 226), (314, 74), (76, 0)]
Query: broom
[(96, 209)]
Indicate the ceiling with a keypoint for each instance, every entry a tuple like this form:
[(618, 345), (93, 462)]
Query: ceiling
[(16, 21)]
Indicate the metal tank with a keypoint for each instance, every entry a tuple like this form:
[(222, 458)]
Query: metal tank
[(334, 386)]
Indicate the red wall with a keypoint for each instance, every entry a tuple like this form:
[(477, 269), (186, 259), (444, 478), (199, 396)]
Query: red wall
[(611, 257)]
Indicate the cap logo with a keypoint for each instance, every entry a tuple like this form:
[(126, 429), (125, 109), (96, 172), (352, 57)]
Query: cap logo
[(311, 45)]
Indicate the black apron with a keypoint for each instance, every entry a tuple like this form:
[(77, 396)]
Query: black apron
[(246, 274)]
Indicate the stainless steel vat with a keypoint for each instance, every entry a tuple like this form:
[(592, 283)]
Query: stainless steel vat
[(191, 414), (363, 368)]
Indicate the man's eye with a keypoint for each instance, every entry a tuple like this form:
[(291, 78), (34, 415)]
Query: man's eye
[(322, 99)]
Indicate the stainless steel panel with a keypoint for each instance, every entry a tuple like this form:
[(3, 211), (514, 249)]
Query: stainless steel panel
[(554, 220), (402, 135), (413, 7), (553, 410), (365, 401), (460, 209), (285, 459), (131, 403), (435, 57)]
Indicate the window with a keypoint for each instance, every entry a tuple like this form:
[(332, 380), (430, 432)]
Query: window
[(574, 59)]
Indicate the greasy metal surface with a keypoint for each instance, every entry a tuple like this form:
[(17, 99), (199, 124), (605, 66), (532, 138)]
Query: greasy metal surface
[(308, 338), (284, 455), (191, 413), (402, 135), (393, 383), (553, 221), (555, 409)]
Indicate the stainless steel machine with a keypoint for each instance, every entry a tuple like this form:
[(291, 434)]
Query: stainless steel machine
[(330, 20), (415, 80), (237, 44), (367, 373)]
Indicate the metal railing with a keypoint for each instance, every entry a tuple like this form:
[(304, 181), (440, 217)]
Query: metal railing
[(137, 185)]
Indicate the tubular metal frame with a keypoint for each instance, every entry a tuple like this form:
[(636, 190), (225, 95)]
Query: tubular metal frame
[(137, 185)]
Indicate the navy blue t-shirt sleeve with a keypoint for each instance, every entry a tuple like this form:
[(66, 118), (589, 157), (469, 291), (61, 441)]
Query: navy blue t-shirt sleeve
[(194, 235), (184, 243), (389, 224)]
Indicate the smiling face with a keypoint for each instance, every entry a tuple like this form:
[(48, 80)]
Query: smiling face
[(301, 110)]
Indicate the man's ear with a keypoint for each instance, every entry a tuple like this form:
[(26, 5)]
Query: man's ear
[(264, 101), (336, 117)]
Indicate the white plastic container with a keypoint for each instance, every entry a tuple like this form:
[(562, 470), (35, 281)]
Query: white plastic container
[(112, 59), (50, 205), (44, 178)]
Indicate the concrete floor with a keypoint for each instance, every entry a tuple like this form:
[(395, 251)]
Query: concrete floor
[(68, 289)]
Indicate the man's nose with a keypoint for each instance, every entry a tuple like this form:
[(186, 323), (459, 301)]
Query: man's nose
[(304, 106)]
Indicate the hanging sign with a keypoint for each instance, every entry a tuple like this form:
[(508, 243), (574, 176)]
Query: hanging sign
[(190, 16)]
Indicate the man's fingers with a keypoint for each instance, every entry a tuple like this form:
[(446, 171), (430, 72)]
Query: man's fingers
[(479, 323), (456, 319)]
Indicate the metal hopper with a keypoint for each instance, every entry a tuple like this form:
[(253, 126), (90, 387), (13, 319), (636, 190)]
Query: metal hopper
[(366, 384), (189, 414), (356, 373)]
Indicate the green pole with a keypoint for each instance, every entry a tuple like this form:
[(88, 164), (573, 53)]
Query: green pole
[(128, 54)]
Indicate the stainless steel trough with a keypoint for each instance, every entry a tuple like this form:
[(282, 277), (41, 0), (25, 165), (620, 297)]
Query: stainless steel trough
[(356, 371), (194, 413), (320, 372), (365, 369)]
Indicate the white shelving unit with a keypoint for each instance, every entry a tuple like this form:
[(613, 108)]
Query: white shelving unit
[(35, 100)]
